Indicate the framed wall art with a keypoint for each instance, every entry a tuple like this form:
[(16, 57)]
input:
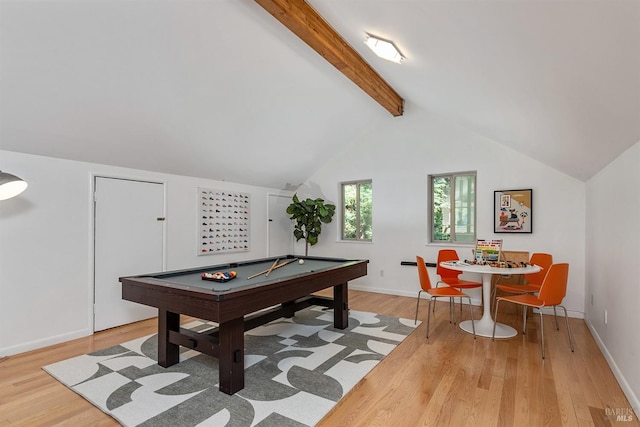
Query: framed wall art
[(223, 221), (513, 211)]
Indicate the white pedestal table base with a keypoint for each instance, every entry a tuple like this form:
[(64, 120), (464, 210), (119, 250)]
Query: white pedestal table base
[(484, 325)]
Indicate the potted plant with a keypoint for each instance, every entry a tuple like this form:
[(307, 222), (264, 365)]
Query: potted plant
[(309, 215)]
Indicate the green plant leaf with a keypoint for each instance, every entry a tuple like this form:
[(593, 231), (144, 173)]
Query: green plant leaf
[(309, 215)]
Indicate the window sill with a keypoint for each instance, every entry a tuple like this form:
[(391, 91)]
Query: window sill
[(456, 244)]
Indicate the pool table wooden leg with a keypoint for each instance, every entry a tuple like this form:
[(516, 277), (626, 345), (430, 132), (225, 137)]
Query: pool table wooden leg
[(231, 356), (340, 306), (289, 308), (168, 353)]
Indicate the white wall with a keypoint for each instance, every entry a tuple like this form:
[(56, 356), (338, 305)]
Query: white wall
[(399, 154), (45, 233), (46, 284), (613, 237)]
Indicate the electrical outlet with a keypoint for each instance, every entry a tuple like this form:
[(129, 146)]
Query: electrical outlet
[(605, 317), (591, 299), (381, 273)]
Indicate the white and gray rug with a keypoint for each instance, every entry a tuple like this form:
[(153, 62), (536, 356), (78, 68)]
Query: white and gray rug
[(296, 370)]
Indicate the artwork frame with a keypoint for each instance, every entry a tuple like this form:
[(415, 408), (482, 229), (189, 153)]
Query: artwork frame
[(223, 221), (513, 211)]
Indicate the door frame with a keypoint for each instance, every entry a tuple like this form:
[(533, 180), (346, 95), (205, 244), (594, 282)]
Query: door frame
[(293, 242), (92, 234)]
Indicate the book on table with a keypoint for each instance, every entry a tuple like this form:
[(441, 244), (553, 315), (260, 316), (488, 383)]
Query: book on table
[(488, 250)]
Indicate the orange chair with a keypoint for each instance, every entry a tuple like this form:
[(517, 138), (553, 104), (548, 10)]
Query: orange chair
[(450, 277), (534, 280), (552, 292), (445, 292)]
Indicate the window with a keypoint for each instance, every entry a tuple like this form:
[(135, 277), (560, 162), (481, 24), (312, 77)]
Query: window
[(357, 203), (453, 207)]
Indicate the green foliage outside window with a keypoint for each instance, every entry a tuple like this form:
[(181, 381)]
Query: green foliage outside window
[(453, 199), (358, 209), (441, 225)]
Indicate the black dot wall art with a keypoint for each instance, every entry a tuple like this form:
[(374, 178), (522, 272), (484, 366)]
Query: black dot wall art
[(223, 221)]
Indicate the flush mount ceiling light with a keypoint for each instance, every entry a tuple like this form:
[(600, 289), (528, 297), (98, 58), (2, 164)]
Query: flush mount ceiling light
[(10, 185), (385, 49)]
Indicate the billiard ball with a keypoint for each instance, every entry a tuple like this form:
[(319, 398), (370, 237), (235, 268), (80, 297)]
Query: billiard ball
[(301, 261)]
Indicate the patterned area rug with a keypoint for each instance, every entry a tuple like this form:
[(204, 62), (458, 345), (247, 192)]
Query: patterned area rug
[(296, 370)]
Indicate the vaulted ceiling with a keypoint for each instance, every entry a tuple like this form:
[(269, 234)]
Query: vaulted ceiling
[(222, 90)]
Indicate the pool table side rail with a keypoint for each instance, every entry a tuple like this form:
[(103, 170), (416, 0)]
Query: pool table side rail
[(221, 295), (163, 278), (219, 308), (231, 265)]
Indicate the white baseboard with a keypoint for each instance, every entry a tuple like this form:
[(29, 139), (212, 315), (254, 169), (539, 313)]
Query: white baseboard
[(34, 345), (626, 389), (549, 311), (474, 300), (401, 293)]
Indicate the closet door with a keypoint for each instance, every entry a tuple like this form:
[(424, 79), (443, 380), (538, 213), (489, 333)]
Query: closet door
[(280, 236), (128, 239)]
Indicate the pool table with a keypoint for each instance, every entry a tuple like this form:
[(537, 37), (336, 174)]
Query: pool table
[(239, 304)]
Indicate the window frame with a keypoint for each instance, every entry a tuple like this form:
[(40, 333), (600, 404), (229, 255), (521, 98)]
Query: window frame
[(357, 183), (452, 203)]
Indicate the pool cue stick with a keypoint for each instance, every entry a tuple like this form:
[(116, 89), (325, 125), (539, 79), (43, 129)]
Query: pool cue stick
[(274, 268), (257, 274), (285, 263), (271, 269)]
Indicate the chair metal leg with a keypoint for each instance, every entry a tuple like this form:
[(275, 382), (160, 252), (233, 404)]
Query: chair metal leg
[(541, 332), (429, 316), (434, 301), (495, 320), (417, 305), (473, 325), (524, 319), (555, 316), (452, 305), (568, 328), (492, 299)]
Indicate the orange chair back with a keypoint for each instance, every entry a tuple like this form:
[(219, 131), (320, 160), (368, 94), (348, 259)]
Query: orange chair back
[(425, 282), (447, 255), (554, 286), (541, 260)]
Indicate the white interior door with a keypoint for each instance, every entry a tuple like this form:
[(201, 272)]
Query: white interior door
[(129, 240), (280, 226)]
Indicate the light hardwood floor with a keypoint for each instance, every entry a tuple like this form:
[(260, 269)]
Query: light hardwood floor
[(448, 380)]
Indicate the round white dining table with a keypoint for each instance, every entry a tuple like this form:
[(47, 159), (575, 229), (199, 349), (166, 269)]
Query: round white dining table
[(484, 326)]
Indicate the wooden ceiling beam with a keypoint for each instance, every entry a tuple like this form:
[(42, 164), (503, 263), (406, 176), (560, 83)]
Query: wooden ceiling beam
[(299, 17)]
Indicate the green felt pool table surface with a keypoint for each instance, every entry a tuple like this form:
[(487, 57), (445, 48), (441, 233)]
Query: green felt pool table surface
[(193, 278)]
